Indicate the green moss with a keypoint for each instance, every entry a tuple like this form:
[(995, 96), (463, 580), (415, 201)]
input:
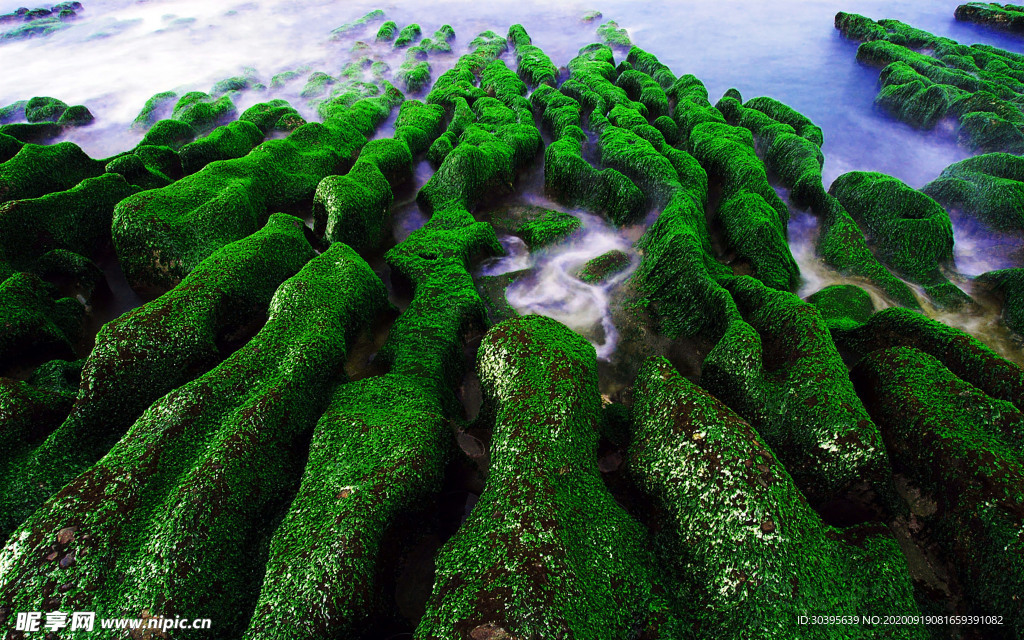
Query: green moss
[(537, 226), (232, 140), (989, 188), (35, 323), (649, 64), (843, 306), (352, 207), (28, 414), (643, 88), (408, 35), (779, 369), (236, 83), (163, 234), (387, 31), (1009, 285), (44, 109), (155, 348), (734, 533), (967, 357), (961, 448), (169, 133), (75, 116), (39, 27), (604, 266), (611, 34), (37, 170), (148, 166), (13, 112), (77, 220), (413, 75), (419, 124), (186, 497), (357, 25), (912, 232), (279, 80), (752, 215), (985, 132), (1003, 17), (545, 528), (533, 65), (268, 116), (203, 112)]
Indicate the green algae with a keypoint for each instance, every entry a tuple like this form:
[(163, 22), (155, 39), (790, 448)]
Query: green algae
[(532, 64), (408, 35), (611, 34), (357, 25), (546, 550), (603, 267), (843, 306), (44, 109), (1006, 17), (37, 170), (160, 235), (734, 533), (185, 497), (537, 226), (967, 357), (960, 447), (202, 111), (989, 188), (273, 115), (1009, 285), (76, 220), (226, 142), (159, 104), (912, 232), (780, 370), (155, 348), (13, 112), (35, 322)]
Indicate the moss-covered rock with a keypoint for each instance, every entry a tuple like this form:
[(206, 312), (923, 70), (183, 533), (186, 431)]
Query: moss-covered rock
[(612, 34), (989, 188), (961, 449), (28, 414), (188, 494), (13, 112), (734, 532), (155, 348), (1008, 17), (37, 170), (545, 529), (155, 108), (912, 232), (966, 356), (203, 112), (780, 370), (44, 109), (537, 226), (76, 220), (357, 25), (532, 64), (843, 306), (161, 235), (226, 142), (36, 324), (1008, 284), (173, 134), (408, 35), (270, 116), (603, 267)]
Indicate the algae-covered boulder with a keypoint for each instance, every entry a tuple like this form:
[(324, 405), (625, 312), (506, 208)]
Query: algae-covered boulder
[(843, 306), (1009, 285), (232, 140), (161, 235), (734, 533), (1008, 17), (36, 326), (76, 220), (44, 109), (913, 233), (202, 111), (779, 369), (603, 267), (37, 170), (271, 115), (150, 350), (157, 106), (200, 475), (545, 529), (966, 356), (537, 226), (961, 449), (989, 188)]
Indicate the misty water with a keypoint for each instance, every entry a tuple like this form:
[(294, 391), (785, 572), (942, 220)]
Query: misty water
[(118, 53)]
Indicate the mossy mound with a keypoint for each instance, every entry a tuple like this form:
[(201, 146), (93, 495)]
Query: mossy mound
[(537, 226), (226, 142), (154, 349), (36, 324), (225, 448), (989, 188), (1008, 17), (843, 306), (603, 267), (1009, 285), (540, 384), (734, 532), (36, 170), (912, 232), (961, 449), (780, 370)]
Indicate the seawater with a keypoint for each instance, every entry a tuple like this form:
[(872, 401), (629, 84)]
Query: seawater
[(121, 52)]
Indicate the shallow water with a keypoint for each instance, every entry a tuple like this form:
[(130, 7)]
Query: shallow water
[(121, 52)]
